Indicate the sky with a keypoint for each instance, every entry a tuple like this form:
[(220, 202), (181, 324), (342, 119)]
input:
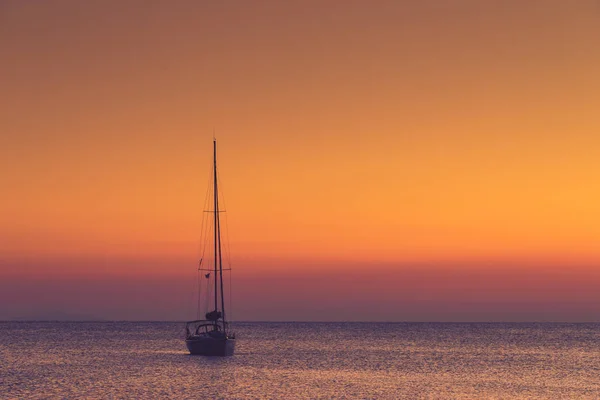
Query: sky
[(385, 160)]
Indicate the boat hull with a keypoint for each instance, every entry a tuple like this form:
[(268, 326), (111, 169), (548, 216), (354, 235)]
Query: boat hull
[(207, 346)]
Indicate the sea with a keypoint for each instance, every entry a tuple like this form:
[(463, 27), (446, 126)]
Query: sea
[(299, 360)]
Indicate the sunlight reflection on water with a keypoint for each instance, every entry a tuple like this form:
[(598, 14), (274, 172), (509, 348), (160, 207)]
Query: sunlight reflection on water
[(302, 360)]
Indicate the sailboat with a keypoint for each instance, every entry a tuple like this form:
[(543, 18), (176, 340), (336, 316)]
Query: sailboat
[(212, 336)]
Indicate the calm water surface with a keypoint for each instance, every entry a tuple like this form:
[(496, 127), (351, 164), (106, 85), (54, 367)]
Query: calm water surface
[(302, 360)]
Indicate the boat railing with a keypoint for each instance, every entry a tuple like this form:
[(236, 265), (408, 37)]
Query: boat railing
[(204, 326)]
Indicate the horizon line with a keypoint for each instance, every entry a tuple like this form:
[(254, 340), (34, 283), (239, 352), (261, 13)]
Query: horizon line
[(303, 322)]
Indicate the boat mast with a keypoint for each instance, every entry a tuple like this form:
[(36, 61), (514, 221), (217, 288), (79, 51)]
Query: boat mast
[(221, 267), (216, 213), (218, 251)]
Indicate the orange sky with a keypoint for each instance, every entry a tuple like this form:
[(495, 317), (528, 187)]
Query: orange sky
[(353, 136)]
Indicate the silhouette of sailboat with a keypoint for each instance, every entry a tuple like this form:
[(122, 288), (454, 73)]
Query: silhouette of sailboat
[(212, 336)]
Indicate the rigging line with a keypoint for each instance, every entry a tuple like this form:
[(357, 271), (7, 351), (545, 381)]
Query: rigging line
[(203, 228), (227, 243), (205, 220), (206, 231), (218, 237), (208, 295), (222, 192), (202, 250), (221, 269), (227, 249), (230, 299), (201, 268), (199, 305)]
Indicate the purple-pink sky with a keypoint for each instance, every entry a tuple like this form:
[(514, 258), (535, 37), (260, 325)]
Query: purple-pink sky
[(384, 160)]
